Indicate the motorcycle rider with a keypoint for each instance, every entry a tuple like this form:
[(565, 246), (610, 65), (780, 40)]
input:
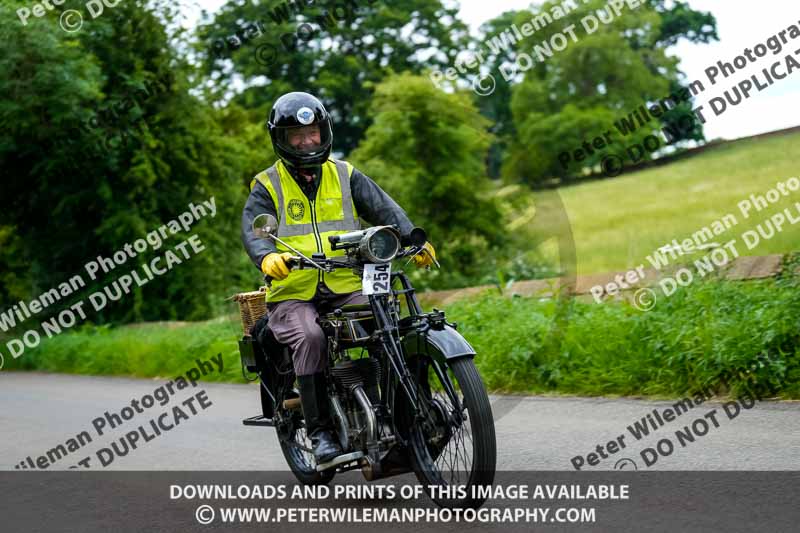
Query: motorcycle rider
[(312, 196)]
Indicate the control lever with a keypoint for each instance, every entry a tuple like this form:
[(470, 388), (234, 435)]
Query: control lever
[(291, 263)]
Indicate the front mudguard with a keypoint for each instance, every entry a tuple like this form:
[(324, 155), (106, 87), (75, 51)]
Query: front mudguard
[(441, 344)]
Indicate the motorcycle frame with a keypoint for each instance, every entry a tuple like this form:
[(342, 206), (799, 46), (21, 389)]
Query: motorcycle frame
[(422, 333)]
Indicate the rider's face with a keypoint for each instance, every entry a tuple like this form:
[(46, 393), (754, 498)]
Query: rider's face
[(304, 137)]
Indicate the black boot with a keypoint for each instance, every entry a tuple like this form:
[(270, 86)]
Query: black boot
[(316, 410)]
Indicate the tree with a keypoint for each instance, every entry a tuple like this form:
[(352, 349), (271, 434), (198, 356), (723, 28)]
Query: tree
[(330, 48), (580, 91), (102, 142), (428, 149), (495, 106)]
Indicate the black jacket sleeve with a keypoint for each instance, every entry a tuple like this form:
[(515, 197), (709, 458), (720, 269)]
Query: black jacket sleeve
[(375, 206), (259, 202)]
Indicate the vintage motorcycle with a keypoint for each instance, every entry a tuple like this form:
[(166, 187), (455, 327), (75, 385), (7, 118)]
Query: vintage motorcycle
[(414, 402)]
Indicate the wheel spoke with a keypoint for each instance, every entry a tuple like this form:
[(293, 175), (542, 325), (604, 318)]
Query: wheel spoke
[(302, 439), (299, 446), (457, 455)]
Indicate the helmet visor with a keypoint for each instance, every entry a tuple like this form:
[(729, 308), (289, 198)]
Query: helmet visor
[(303, 141)]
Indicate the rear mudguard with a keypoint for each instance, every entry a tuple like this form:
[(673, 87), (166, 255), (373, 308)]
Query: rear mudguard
[(255, 361), (441, 345)]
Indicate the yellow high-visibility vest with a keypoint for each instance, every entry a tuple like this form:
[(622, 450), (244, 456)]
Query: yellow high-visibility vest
[(306, 225)]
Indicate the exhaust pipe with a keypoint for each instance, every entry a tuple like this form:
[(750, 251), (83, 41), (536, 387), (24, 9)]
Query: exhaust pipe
[(366, 406), (344, 427)]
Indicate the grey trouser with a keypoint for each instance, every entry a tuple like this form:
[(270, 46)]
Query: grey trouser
[(294, 323)]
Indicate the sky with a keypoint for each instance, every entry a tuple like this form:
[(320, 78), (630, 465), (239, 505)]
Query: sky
[(740, 25)]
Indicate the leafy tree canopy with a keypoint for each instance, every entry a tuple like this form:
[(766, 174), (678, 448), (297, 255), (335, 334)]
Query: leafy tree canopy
[(428, 149), (264, 49), (578, 92)]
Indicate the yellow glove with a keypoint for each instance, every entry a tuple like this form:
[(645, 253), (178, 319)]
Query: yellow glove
[(274, 265), (426, 256)]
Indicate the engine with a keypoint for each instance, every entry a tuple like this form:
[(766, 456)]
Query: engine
[(352, 372), (357, 381)]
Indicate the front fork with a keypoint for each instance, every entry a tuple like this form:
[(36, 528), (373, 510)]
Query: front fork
[(387, 324)]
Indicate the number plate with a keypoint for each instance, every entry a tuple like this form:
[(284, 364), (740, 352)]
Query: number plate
[(376, 278)]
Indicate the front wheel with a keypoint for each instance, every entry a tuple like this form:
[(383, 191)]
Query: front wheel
[(455, 450)]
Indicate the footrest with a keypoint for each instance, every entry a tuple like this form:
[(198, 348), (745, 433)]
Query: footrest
[(258, 420), (336, 461)]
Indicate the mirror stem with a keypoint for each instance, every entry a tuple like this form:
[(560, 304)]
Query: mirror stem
[(297, 252)]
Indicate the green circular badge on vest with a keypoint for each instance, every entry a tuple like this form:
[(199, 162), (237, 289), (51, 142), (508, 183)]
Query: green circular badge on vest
[(296, 209)]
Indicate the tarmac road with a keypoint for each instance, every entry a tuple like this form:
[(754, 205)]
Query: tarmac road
[(40, 411)]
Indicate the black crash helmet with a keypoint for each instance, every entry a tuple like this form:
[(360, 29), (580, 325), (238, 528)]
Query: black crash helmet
[(291, 120)]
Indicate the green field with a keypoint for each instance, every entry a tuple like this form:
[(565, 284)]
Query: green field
[(618, 222)]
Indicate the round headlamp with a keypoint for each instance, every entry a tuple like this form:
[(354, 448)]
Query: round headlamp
[(379, 245)]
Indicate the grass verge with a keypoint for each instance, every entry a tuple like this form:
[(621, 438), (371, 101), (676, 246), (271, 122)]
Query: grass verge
[(688, 342)]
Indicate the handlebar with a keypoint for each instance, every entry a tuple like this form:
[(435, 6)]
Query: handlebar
[(331, 264)]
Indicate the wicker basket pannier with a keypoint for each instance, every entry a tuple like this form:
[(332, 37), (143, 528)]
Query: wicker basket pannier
[(252, 306)]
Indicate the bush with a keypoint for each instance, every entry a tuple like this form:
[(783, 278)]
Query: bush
[(688, 342)]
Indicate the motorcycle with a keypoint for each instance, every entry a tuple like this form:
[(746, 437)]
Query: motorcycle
[(413, 402)]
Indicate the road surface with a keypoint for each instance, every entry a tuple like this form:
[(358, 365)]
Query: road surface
[(40, 411)]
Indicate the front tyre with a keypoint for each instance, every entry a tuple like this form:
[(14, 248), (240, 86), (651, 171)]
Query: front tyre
[(458, 451)]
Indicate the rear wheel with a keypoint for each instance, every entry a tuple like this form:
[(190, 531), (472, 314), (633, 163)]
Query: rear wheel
[(296, 448), (457, 451)]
